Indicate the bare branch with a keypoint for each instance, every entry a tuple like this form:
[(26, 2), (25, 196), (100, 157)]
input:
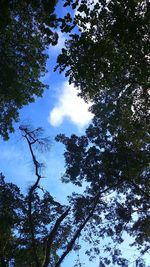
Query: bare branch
[(31, 139)]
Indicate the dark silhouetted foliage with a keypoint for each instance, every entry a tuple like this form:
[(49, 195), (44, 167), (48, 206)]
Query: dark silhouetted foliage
[(26, 29), (109, 48), (112, 160), (107, 59), (35, 229)]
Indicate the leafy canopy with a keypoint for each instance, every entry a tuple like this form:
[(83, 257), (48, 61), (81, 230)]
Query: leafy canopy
[(109, 47), (112, 160), (25, 32), (36, 230), (107, 59)]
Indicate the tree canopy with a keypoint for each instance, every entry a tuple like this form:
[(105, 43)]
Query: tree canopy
[(112, 160), (109, 48), (26, 29), (107, 59), (36, 230)]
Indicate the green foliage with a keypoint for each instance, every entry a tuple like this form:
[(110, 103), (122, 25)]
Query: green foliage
[(107, 58), (109, 47), (45, 211), (15, 237), (112, 159), (36, 230), (10, 212), (25, 33)]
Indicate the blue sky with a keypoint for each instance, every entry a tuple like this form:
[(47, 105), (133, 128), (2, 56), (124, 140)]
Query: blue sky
[(58, 111)]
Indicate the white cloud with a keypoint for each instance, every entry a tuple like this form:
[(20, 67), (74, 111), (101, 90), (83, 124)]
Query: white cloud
[(71, 106)]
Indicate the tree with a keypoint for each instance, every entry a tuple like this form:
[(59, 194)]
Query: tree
[(40, 231), (10, 210), (109, 49), (112, 159), (16, 244), (65, 227), (107, 60), (26, 30)]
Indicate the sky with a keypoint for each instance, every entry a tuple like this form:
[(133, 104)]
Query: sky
[(60, 110)]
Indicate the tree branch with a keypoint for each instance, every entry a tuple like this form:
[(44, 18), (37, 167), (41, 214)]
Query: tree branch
[(77, 234), (28, 137), (51, 237)]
